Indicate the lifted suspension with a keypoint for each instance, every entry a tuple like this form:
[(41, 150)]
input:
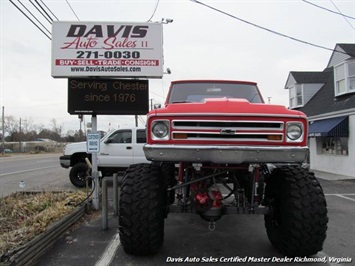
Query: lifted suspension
[(196, 196)]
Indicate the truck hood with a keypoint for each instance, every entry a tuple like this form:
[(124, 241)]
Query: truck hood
[(225, 106), (75, 147)]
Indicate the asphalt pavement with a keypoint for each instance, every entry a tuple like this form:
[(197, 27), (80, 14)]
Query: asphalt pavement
[(187, 236)]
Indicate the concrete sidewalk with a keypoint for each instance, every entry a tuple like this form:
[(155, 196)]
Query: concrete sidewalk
[(86, 242), (330, 176), (83, 245)]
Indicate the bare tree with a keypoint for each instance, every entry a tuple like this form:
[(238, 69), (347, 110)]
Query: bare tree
[(11, 125), (27, 125), (55, 128), (31, 131)]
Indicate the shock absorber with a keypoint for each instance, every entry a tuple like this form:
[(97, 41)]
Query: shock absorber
[(179, 193), (255, 198), (256, 186)]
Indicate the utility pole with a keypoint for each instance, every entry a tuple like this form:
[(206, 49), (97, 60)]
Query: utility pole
[(3, 129), (19, 136)]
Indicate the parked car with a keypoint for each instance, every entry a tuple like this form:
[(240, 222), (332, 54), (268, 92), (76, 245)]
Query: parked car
[(5, 150), (118, 150)]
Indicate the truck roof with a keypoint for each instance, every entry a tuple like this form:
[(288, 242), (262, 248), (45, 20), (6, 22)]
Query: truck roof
[(199, 89), (213, 81)]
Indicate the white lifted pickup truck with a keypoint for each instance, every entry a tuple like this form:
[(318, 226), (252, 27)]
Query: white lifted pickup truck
[(118, 150)]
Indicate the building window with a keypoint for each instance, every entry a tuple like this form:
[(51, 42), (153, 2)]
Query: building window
[(351, 74), (333, 145), (296, 96), (344, 78)]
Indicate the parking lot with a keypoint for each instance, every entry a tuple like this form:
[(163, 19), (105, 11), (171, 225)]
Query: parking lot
[(236, 239)]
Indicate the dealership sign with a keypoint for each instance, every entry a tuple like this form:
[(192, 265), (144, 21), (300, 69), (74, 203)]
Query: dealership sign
[(107, 49)]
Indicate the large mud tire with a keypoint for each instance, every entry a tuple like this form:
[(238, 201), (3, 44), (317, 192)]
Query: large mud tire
[(298, 220), (142, 209), (78, 174)]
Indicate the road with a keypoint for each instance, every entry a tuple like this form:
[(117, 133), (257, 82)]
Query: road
[(186, 235), (38, 172)]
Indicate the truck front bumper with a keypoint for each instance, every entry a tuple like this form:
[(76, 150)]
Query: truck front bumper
[(225, 154), (65, 161)]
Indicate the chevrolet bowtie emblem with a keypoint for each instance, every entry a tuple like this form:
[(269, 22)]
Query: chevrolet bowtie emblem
[(228, 131)]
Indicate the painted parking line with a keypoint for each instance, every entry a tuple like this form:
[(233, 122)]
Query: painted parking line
[(344, 196), (109, 253), (29, 170)]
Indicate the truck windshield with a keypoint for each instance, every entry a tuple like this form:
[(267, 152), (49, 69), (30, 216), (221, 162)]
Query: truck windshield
[(199, 91)]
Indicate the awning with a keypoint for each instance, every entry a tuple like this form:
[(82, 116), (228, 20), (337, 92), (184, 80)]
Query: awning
[(331, 127)]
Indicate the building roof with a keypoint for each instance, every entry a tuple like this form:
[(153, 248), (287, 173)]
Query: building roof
[(341, 53), (302, 77), (348, 48), (324, 101)]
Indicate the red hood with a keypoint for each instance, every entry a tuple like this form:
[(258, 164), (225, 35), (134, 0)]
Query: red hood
[(226, 106)]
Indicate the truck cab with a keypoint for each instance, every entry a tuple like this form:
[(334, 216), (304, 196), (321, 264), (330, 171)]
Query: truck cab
[(118, 149)]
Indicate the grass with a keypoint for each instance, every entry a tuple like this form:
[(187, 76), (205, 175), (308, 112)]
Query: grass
[(24, 215)]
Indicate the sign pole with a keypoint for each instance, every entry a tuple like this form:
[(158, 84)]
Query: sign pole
[(95, 173)]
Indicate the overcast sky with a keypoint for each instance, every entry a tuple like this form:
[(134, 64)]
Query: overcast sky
[(201, 43)]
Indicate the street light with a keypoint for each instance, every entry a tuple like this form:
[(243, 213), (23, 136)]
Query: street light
[(167, 20)]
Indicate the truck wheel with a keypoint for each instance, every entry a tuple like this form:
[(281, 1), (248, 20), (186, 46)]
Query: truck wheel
[(297, 222), (142, 209), (78, 173)]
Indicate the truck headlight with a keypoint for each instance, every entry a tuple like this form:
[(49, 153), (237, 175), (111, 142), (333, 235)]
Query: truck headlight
[(160, 130), (294, 132)]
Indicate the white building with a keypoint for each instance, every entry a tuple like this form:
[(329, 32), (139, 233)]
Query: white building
[(328, 99)]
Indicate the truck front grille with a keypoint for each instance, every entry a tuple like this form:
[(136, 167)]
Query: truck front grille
[(262, 125), (227, 130)]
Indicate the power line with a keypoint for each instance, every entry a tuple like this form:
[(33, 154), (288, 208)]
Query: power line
[(155, 9), (44, 11), (266, 29), (50, 22), (72, 10), (31, 20), (34, 17), (347, 21), (49, 9), (329, 10)]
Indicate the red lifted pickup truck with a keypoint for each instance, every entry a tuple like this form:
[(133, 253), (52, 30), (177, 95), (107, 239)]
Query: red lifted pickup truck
[(235, 155)]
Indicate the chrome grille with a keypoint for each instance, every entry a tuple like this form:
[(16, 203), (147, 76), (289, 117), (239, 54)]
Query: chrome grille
[(209, 124), (228, 130)]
